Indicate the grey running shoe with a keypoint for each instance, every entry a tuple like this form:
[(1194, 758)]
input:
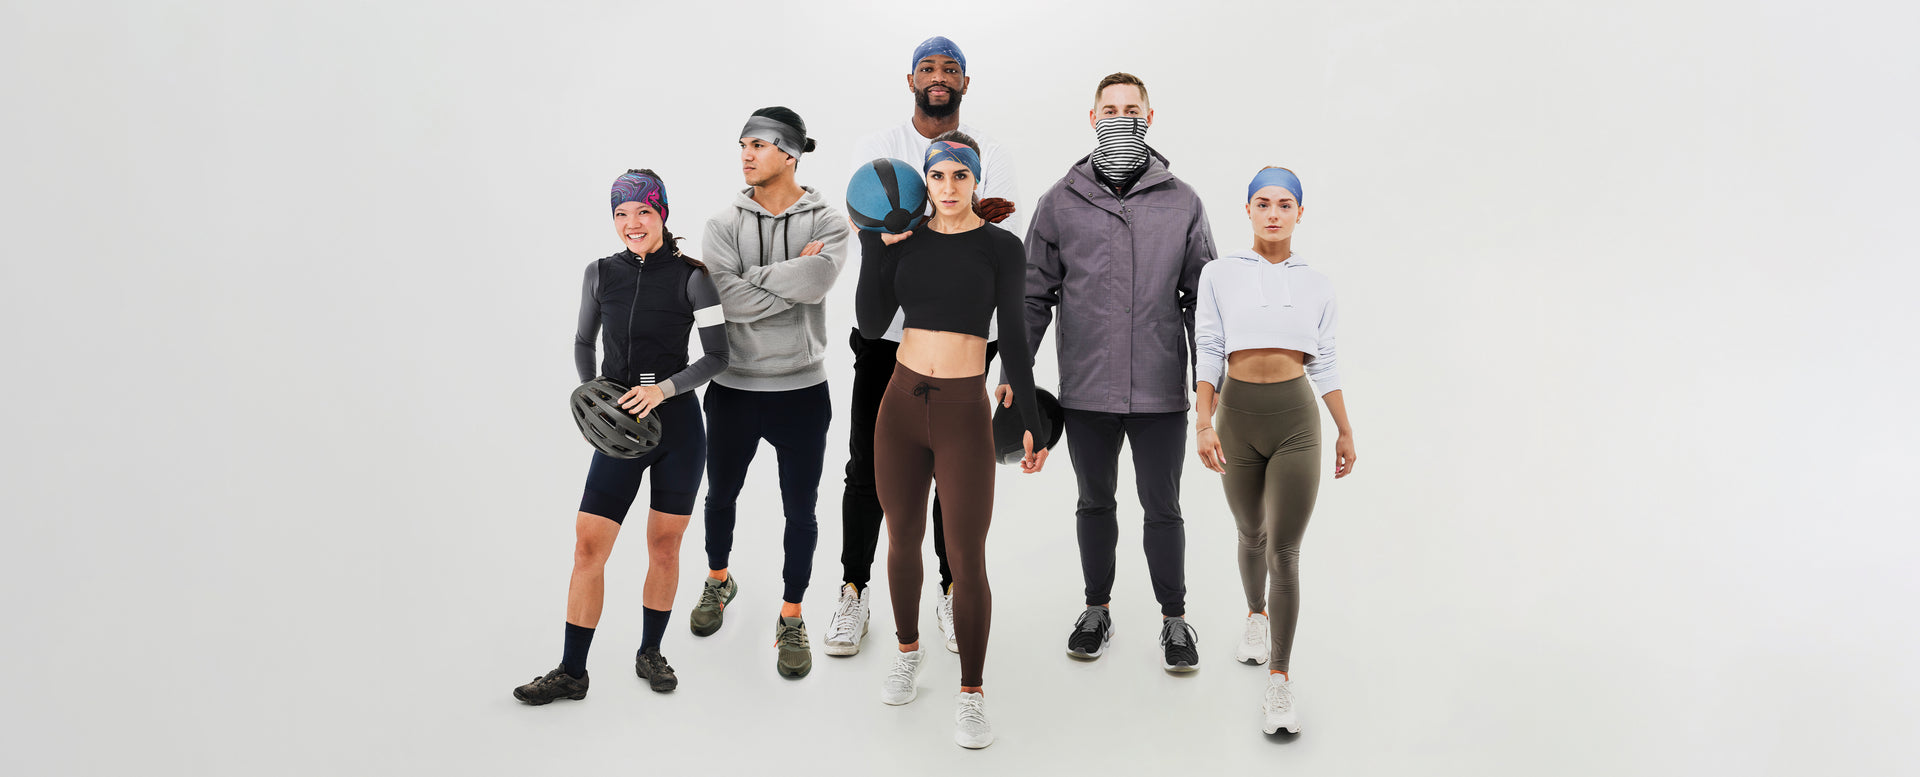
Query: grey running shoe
[(900, 686), (556, 684), (971, 729), (945, 614), (849, 622), (708, 614), (1180, 643), (652, 667), (1277, 707), (1091, 633), (796, 654)]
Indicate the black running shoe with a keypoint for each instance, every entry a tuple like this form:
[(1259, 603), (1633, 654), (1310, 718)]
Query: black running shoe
[(652, 667), (1181, 645), (556, 684), (1091, 633)]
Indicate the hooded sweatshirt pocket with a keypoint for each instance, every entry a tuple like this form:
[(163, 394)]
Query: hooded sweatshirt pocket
[(774, 345)]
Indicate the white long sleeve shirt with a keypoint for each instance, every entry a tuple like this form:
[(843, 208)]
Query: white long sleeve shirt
[(1247, 302), (905, 143)]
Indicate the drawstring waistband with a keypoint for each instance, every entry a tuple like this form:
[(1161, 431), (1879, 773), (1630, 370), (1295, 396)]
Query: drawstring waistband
[(922, 387)]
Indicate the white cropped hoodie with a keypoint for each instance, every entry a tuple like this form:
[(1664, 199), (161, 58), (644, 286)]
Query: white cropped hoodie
[(1247, 302)]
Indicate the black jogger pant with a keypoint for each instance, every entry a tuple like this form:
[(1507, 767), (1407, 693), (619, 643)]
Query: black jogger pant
[(795, 424), (1159, 442)]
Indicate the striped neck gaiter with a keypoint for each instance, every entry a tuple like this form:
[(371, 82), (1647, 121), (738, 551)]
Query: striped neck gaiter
[(1122, 146)]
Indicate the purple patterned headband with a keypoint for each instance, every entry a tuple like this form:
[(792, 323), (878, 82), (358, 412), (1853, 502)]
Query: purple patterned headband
[(644, 188)]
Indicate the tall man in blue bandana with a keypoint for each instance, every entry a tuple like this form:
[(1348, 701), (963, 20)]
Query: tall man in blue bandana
[(1116, 246), (937, 77)]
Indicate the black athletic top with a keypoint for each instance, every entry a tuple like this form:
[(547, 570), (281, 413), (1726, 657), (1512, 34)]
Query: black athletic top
[(643, 310), (953, 283)]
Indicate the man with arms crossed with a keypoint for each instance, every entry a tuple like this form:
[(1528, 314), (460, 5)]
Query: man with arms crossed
[(773, 254), (1117, 245), (937, 78)]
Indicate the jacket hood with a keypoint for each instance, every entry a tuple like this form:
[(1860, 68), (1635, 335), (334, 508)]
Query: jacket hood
[(810, 199), (1248, 255)]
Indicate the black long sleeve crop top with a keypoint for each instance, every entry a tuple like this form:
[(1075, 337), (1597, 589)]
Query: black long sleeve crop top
[(953, 283)]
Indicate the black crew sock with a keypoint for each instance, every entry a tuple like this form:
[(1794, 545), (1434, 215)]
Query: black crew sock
[(574, 660), (653, 627)]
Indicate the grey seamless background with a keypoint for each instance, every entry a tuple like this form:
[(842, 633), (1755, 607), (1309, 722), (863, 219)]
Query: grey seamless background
[(1627, 334)]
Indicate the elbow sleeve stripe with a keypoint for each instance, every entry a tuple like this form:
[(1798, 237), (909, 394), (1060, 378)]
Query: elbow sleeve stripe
[(709, 316)]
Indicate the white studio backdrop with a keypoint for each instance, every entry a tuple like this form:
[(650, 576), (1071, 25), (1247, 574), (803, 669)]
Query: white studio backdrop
[(1627, 334)]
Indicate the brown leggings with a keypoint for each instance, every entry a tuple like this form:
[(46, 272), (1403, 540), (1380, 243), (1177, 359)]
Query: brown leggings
[(938, 430)]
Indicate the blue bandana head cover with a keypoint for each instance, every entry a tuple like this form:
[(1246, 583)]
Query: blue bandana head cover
[(641, 186), (1276, 176), (937, 45), (943, 150)]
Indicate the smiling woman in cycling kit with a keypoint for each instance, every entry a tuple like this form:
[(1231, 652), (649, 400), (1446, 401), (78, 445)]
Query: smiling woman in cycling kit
[(643, 303)]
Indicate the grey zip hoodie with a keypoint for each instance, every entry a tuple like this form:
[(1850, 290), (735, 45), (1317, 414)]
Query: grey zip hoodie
[(773, 297)]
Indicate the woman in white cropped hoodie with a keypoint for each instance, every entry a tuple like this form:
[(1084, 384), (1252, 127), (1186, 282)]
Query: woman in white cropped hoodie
[(1264, 327)]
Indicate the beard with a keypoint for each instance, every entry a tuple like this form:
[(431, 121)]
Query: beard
[(937, 111)]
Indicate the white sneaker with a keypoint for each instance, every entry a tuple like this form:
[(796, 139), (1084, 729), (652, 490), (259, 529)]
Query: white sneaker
[(1278, 705), (946, 623), (970, 727), (899, 687), (849, 624), (1253, 641)]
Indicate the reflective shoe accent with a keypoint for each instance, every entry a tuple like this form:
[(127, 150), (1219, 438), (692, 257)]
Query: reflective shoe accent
[(652, 667), (970, 727), (900, 686), (1181, 645), (1253, 641), (1092, 631), (709, 613), (945, 612), (796, 654), (556, 684), (849, 622), (1277, 707)]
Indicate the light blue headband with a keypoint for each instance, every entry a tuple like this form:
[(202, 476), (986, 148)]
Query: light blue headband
[(944, 150), (1276, 176)]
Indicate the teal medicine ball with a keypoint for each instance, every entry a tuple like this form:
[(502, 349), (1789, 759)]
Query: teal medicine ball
[(887, 195)]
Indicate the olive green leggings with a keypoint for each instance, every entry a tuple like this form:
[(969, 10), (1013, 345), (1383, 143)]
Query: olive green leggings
[(1270, 435)]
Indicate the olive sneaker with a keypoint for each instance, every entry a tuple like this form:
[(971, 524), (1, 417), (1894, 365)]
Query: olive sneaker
[(796, 654), (708, 614)]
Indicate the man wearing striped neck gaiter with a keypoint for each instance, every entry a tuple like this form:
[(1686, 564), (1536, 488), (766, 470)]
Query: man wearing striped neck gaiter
[(1117, 245)]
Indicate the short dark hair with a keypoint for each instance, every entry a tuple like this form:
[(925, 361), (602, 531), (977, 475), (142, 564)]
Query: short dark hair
[(1122, 78)]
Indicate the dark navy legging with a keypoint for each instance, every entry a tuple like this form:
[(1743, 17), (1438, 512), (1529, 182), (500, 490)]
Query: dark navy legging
[(795, 423)]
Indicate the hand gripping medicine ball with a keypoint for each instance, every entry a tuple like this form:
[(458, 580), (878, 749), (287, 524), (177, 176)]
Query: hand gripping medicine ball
[(1009, 434), (608, 428), (886, 195)]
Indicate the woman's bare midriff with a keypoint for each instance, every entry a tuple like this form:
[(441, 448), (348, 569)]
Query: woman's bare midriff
[(1266, 365), (942, 354)]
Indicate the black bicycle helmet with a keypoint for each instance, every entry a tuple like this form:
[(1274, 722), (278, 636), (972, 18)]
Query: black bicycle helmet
[(609, 429), (1009, 434)]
